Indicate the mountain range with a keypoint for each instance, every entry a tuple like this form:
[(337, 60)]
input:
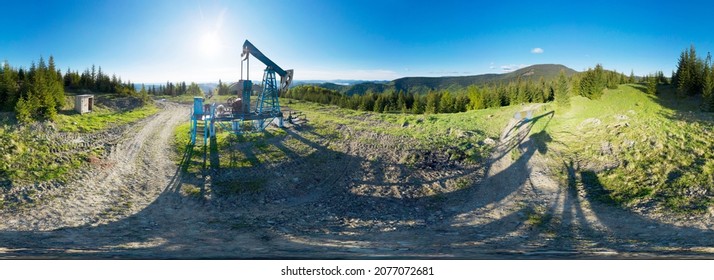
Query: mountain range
[(425, 84)]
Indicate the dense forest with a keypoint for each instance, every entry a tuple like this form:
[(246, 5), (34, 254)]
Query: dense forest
[(695, 76), (38, 93), (589, 84)]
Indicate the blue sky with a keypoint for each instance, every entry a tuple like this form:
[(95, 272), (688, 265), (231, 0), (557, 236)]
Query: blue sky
[(157, 41)]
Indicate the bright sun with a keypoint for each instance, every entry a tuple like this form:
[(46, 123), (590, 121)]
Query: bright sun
[(210, 44)]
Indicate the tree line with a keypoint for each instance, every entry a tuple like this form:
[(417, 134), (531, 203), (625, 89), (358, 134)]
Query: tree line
[(34, 94), (96, 81), (695, 76), (590, 84), (38, 93)]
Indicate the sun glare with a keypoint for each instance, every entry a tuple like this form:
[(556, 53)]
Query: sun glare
[(210, 44)]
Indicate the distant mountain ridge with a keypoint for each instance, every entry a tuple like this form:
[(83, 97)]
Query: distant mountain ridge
[(425, 84)]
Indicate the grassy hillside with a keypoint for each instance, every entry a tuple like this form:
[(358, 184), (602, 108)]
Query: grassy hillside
[(638, 150)]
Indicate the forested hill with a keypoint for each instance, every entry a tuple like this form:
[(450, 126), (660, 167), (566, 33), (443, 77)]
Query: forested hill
[(422, 85), (534, 72)]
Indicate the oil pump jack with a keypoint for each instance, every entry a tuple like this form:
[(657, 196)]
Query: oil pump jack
[(239, 115)]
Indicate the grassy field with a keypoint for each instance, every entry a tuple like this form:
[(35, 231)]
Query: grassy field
[(639, 149), (628, 147), (228, 145), (101, 118), (29, 156), (463, 132)]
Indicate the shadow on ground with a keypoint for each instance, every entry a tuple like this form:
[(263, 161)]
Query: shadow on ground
[(316, 206)]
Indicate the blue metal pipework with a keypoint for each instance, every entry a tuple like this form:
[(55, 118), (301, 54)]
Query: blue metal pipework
[(267, 107), (247, 90), (268, 104), (198, 114)]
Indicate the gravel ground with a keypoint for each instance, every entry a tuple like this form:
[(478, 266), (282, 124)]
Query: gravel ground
[(350, 197)]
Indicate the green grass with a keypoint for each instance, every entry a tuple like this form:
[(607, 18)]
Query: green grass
[(228, 150), (30, 157), (26, 156), (643, 148), (486, 122), (461, 134), (102, 118), (537, 217)]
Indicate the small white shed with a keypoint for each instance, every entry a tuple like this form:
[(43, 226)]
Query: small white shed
[(83, 103)]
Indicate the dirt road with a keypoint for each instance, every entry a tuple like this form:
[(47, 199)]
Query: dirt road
[(350, 199)]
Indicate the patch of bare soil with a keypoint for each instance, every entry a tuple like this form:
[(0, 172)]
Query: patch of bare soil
[(357, 195)]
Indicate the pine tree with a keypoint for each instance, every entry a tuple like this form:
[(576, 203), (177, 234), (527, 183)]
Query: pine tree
[(417, 107), (194, 90), (379, 104), (401, 103), (54, 84), (561, 90), (23, 112), (708, 84), (446, 103), (9, 87), (651, 84), (432, 103), (93, 78)]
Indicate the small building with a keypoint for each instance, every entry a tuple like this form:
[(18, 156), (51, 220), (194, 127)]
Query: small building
[(83, 103)]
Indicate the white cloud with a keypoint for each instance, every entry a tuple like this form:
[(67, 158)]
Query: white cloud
[(537, 51), (491, 66), (511, 67)]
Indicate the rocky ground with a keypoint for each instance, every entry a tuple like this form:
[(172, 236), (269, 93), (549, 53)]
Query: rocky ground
[(360, 195)]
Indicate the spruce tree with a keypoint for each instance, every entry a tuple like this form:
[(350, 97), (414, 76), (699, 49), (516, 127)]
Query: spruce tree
[(446, 103), (23, 112), (9, 87), (708, 84), (631, 78), (417, 106), (54, 85), (432, 103), (561, 90), (379, 104), (651, 84)]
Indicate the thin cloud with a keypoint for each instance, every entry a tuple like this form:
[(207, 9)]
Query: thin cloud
[(511, 67), (537, 51)]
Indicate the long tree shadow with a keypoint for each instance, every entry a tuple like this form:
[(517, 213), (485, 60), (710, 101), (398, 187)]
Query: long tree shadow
[(683, 107), (324, 214), (638, 233), (584, 221), (124, 237)]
